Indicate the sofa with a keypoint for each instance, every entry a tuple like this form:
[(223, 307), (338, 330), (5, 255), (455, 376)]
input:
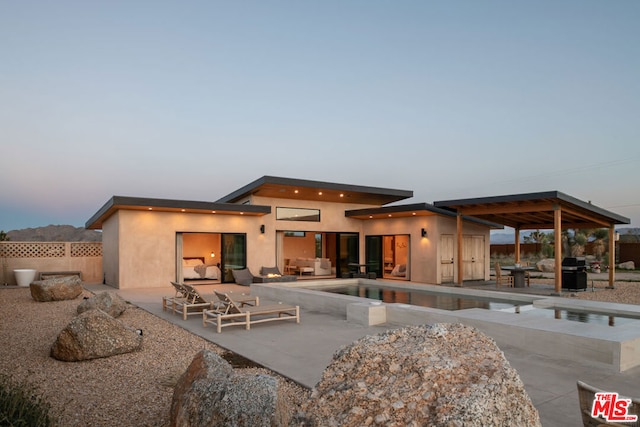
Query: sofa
[(321, 266)]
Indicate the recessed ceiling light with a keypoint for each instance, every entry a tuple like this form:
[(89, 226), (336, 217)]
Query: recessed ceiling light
[(370, 216), (150, 209), (413, 213), (213, 211)]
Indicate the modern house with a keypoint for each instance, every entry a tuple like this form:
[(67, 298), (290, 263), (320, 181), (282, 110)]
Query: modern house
[(307, 228)]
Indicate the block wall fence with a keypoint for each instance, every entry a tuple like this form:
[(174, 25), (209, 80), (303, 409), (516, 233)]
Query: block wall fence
[(85, 257)]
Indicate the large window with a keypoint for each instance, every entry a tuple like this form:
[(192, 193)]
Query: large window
[(297, 214)]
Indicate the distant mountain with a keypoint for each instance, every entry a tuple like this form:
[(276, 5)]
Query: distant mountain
[(55, 233), (630, 230), (502, 238)]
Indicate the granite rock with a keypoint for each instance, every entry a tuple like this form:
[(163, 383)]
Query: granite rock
[(56, 289), (94, 334), (211, 393), (437, 375), (109, 302), (547, 265)]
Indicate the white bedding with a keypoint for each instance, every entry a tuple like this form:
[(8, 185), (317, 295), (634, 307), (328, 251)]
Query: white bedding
[(400, 270), (196, 269)]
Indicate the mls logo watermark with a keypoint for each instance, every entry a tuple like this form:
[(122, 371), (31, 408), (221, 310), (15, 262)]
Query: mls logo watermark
[(612, 408)]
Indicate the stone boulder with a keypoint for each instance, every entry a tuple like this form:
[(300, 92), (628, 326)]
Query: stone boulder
[(94, 334), (547, 265), (629, 265), (210, 393), (109, 302), (56, 289), (435, 375)]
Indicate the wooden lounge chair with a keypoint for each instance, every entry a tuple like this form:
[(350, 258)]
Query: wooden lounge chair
[(586, 395), (502, 280), (179, 296), (234, 314), (195, 302)]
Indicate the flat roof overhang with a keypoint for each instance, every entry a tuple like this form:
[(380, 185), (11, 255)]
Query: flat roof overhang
[(533, 211), (300, 189), (166, 205), (411, 210)]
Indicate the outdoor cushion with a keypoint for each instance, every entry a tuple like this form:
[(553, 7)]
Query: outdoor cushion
[(269, 270), (243, 277)]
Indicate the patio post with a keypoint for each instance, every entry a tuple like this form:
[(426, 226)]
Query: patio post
[(517, 245), (557, 230), (612, 257), (459, 230)]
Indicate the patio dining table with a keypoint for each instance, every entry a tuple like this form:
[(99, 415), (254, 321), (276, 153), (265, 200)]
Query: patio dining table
[(518, 273)]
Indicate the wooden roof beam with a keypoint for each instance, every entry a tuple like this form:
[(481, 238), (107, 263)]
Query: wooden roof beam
[(506, 209), (588, 218)]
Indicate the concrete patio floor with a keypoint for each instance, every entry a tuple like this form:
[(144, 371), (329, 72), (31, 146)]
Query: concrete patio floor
[(302, 351)]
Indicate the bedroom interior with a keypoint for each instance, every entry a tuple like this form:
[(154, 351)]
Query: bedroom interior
[(395, 254), (201, 257)]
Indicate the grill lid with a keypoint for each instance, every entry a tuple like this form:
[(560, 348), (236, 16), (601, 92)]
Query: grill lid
[(574, 262)]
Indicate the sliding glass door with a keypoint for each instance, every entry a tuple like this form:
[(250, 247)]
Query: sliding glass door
[(234, 255), (373, 254), (348, 252)]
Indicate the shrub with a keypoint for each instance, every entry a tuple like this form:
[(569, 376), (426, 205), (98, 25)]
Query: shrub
[(20, 406)]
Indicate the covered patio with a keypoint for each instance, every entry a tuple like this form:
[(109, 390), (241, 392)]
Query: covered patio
[(551, 210)]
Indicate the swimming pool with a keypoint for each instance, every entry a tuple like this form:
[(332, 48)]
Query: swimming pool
[(574, 315), (446, 301), (421, 298)]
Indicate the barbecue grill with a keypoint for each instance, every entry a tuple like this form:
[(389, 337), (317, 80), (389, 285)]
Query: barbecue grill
[(574, 273)]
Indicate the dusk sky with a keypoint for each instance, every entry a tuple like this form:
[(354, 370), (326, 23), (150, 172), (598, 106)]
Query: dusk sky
[(195, 99)]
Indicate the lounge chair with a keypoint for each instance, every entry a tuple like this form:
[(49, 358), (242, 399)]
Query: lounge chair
[(178, 297), (195, 302), (234, 314), (500, 279), (586, 395)]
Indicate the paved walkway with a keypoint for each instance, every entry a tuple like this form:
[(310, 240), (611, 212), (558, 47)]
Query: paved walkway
[(302, 351)]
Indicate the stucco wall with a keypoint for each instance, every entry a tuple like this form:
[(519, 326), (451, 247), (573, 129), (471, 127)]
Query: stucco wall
[(421, 250), (146, 254), (85, 257), (140, 246), (110, 250)]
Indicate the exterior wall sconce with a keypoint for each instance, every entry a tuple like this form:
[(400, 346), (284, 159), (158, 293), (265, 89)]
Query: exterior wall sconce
[(213, 254), (424, 232), (262, 229), (617, 236)]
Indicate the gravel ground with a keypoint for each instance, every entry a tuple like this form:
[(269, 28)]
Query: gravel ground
[(133, 389), (623, 292)]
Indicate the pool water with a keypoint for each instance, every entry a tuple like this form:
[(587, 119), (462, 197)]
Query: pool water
[(420, 298), (575, 316), (444, 301)]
